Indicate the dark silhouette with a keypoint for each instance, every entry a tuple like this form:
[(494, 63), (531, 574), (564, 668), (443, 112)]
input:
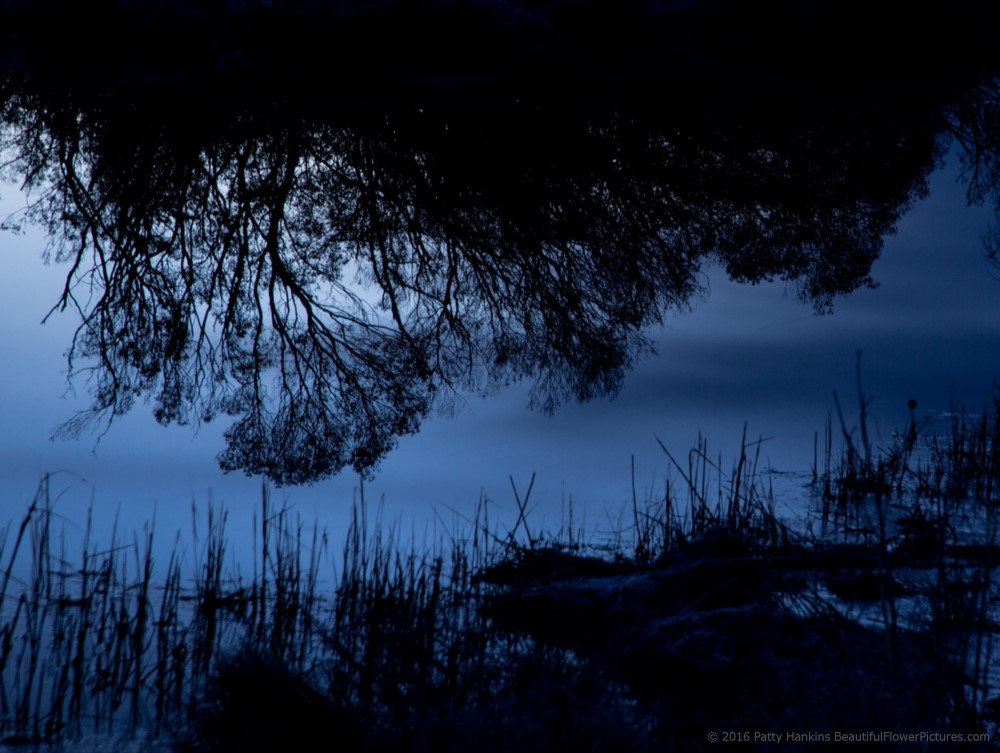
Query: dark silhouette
[(327, 271), (975, 125)]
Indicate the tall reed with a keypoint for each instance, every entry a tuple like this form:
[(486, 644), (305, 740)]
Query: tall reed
[(399, 634)]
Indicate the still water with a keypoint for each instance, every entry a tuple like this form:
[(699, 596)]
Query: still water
[(379, 250), (749, 355)]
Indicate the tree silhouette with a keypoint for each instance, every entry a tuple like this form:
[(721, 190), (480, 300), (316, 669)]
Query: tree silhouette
[(327, 276)]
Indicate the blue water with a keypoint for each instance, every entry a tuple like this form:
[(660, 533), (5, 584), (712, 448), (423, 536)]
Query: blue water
[(745, 355)]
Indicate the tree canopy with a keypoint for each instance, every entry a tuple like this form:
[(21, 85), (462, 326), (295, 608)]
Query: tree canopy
[(327, 275)]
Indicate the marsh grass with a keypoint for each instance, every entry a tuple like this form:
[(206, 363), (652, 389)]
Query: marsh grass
[(925, 508), (90, 644), (700, 610)]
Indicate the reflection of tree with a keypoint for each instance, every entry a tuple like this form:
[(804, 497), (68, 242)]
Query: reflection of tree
[(328, 281), (974, 121)]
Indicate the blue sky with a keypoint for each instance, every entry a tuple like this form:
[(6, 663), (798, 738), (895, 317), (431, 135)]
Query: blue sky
[(753, 354)]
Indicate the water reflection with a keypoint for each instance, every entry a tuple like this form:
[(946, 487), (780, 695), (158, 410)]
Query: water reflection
[(327, 274)]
